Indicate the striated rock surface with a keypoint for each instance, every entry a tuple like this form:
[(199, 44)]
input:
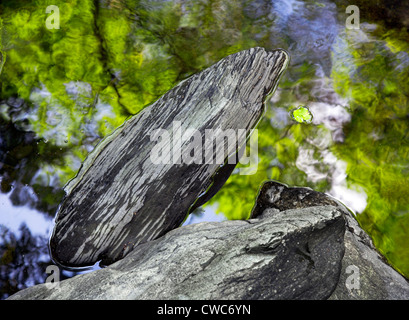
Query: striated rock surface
[(365, 273), (294, 254), (121, 197), (300, 244)]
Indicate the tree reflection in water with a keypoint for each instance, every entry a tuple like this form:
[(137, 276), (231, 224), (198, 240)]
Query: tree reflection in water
[(63, 90)]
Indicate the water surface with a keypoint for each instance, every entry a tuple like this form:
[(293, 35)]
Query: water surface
[(63, 90)]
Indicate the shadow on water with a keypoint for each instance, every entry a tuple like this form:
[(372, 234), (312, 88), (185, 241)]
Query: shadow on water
[(62, 90)]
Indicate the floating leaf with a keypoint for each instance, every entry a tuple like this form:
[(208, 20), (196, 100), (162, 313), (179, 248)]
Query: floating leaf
[(302, 115)]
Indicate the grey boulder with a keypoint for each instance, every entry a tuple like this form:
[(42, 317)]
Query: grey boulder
[(299, 244)]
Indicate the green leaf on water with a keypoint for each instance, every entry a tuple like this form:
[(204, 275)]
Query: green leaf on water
[(302, 115)]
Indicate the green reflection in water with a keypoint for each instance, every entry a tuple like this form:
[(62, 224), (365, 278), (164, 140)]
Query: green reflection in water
[(63, 90), (376, 147), (2, 53)]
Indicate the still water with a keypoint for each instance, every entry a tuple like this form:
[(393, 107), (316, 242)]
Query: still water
[(62, 90)]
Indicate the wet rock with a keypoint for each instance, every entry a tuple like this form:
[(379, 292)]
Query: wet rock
[(121, 198), (293, 254), (365, 274), (299, 244), (275, 195)]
